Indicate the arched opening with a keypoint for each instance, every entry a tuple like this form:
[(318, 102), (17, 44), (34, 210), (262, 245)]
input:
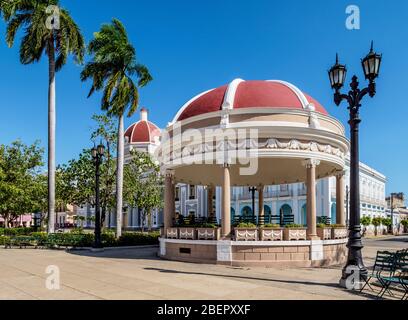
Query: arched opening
[(232, 215), (247, 215), (246, 211), (286, 210), (286, 215), (333, 215), (303, 215), (267, 213)]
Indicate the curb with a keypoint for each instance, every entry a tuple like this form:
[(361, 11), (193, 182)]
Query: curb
[(114, 248)]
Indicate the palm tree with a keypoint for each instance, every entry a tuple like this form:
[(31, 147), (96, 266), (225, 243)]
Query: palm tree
[(50, 30), (112, 67)]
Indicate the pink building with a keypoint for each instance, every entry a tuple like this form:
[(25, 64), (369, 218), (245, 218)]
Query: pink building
[(21, 221)]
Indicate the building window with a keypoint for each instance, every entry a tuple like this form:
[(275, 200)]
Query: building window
[(177, 195), (284, 187), (192, 192)]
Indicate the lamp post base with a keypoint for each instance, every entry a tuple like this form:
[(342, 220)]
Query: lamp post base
[(350, 284), (354, 273)]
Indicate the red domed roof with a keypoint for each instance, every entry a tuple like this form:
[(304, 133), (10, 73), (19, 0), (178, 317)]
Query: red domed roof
[(143, 131), (249, 94)]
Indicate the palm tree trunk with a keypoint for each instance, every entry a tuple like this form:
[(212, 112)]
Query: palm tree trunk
[(119, 177), (51, 139)]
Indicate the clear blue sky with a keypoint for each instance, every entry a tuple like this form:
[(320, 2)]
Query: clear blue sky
[(191, 46)]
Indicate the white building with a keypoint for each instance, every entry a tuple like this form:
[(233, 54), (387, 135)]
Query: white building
[(289, 198)]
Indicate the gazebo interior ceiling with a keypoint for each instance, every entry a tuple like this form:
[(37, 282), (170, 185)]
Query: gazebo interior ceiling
[(270, 171)]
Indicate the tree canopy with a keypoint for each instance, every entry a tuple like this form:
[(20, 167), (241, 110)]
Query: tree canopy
[(143, 184), (47, 27), (21, 181)]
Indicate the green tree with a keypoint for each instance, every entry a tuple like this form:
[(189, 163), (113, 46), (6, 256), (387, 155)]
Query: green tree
[(19, 183), (106, 131), (376, 223), (405, 224), (143, 185), (387, 222), (78, 180), (112, 69), (77, 183), (365, 221), (48, 29)]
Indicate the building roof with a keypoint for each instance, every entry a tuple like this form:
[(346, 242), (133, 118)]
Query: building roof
[(143, 131), (241, 94)]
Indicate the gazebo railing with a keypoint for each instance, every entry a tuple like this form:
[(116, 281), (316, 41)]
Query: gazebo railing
[(235, 220), (267, 219), (324, 220), (196, 221)]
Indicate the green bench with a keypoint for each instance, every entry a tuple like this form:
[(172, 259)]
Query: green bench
[(21, 242), (400, 275), (390, 268)]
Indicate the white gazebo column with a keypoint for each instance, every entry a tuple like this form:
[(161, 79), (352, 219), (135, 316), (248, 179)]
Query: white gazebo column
[(169, 204), (311, 198), (340, 217), (226, 203), (261, 209)]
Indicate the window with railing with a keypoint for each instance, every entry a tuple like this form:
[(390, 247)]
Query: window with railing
[(284, 187), (192, 192)]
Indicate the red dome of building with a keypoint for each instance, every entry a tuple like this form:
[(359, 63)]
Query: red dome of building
[(143, 131), (241, 94)]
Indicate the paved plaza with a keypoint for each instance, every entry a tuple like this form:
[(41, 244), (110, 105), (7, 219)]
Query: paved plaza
[(139, 274)]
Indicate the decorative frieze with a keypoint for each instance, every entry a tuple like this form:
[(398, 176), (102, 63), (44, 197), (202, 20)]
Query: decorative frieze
[(246, 234), (294, 234), (254, 144), (271, 234)]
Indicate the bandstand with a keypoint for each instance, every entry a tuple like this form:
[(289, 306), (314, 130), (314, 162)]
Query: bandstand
[(253, 133)]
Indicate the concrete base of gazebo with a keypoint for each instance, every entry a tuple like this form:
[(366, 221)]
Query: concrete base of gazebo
[(309, 253)]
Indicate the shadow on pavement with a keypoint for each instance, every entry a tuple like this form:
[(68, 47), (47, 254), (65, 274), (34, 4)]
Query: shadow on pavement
[(149, 253), (331, 285)]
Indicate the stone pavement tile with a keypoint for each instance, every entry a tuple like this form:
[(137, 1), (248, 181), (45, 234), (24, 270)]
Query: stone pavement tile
[(35, 287), (138, 274), (131, 295), (8, 271), (106, 290), (10, 292)]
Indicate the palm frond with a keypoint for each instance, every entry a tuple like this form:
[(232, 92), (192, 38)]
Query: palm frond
[(18, 21), (37, 38), (112, 67)]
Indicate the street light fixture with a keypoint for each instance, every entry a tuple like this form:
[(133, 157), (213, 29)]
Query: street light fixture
[(337, 74), (97, 155)]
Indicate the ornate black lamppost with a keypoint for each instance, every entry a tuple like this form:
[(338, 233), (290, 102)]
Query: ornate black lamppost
[(97, 155), (337, 74)]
